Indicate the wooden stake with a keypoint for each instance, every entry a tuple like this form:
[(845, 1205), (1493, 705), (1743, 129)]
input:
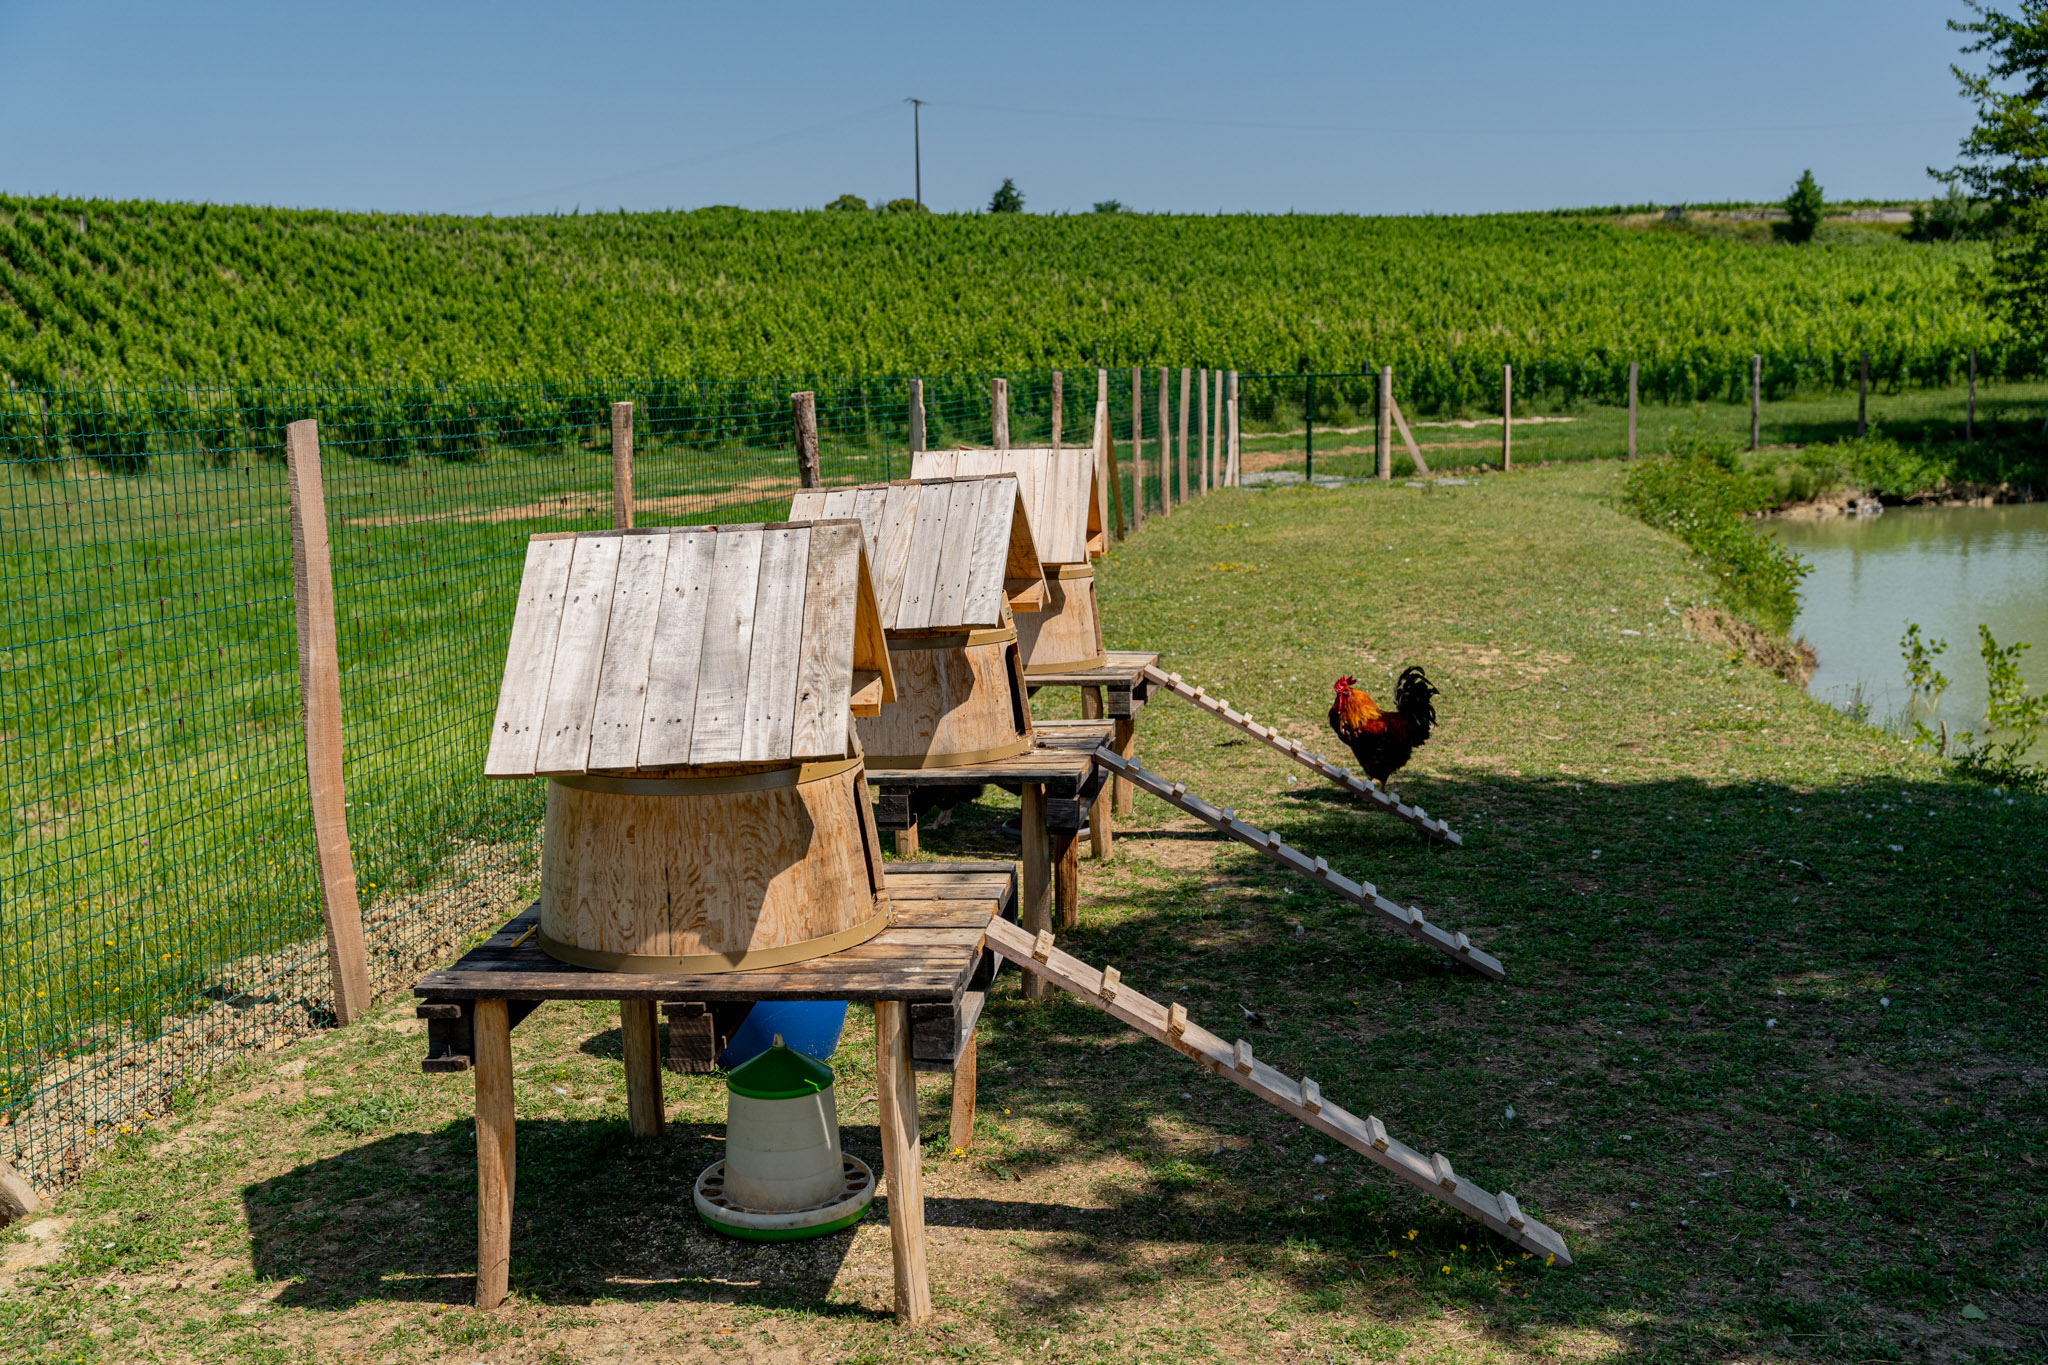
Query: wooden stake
[(1383, 437), (1756, 400), (804, 408), (1235, 454), (1035, 911), (906, 842), (999, 412), (496, 1153), (1408, 439), (1863, 396), (960, 1131), (1507, 417), (916, 415), (622, 466), (902, 1160), (1137, 450), (1108, 478), (1970, 413), (1101, 838), (320, 694), (1066, 878), (1124, 744), (1057, 405), (1632, 409), (1205, 456), (1165, 449), (644, 1110), (1187, 378)]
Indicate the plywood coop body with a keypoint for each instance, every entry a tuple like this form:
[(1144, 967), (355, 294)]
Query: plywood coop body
[(690, 696), (953, 557), (1063, 502)]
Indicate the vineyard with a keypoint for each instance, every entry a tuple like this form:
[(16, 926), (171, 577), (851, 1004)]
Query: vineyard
[(123, 295)]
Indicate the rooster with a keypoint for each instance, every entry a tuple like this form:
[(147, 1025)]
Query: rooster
[(1383, 740)]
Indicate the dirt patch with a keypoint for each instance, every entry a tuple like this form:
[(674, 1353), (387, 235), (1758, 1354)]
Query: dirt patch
[(1792, 660)]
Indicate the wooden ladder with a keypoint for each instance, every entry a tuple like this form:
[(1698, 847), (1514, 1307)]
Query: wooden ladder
[(1387, 800), (1301, 1099), (1362, 894)]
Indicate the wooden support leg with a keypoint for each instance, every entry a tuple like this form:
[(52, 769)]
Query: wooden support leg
[(961, 1133), (906, 841), (1101, 838), (1125, 744), (643, 1068), (495, 1154), (1066, 879), (896, 1092), (1036, 911)]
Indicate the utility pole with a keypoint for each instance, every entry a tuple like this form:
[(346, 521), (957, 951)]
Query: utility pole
[(916, 147)]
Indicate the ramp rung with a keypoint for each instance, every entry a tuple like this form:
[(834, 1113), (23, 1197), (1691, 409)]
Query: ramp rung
[(1387, 800), (1301, 1100), (1362, 894)]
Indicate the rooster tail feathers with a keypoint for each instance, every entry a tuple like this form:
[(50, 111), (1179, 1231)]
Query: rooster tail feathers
[(1412, 694)]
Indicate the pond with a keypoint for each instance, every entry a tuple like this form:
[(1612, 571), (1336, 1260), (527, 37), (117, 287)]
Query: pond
[(1947, 568)]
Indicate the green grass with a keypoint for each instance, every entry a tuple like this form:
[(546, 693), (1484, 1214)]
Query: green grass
[(1669, 848)]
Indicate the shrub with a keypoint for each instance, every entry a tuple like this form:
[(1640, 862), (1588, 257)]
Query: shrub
[(1703, 498), (1007, 198), (848, 203)]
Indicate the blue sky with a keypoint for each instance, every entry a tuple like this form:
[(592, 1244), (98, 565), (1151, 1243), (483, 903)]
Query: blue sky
[(450, 106)]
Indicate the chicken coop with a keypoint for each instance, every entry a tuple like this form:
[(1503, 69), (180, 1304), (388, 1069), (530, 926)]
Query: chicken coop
[(953, 557), (690, 695), (1063, 502)]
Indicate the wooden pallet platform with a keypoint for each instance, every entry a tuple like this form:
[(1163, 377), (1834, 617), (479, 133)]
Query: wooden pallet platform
[(1385, 798), (1301, 1100), (1123, 677), (1362, 894)]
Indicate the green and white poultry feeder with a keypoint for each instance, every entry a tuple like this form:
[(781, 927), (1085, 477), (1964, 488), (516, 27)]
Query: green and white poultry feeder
[(783, 1177)]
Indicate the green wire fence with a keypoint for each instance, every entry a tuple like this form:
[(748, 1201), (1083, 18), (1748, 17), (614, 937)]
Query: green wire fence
[(159, 908)]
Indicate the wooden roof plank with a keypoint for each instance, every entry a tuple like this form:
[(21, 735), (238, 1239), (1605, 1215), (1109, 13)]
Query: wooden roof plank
[(579, 654), (628, 651), (778, 639), (956, 560), (898, 520), (824, 672), (921, 567), (670, 716), (728, 648), (981, 587), (530, 658)]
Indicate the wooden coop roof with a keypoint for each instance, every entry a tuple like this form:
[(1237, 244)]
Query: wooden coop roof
[(947, 552), (1060, 493), (682, 647)]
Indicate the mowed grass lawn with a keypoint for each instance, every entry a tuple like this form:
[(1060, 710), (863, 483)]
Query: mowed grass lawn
[(1769, 1055)]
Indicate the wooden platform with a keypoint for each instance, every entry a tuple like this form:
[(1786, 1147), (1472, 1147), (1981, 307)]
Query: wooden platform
[(1123, 681), (920, 974)]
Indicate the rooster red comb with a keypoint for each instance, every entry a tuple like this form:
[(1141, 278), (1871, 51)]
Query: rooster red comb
[(1346, 682)]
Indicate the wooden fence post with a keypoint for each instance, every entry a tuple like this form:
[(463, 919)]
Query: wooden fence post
[(1186, 379), (1137, 449), (1057, 398), (1236, 455), (1165, 448), (1507, 417), (1970, 413), (1863, 395), (804, 408), (916, 415), (1632, 409), (1383, 436), (1205, 458), (1756, 400), (999, 412), (622, 466), (1106, 474), (320, 694)]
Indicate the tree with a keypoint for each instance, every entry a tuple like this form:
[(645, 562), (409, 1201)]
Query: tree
[(848, 203), (2005, 157), (1007, 198), (1951, 217), (1109, 206), (1803, 209), (902, 206)]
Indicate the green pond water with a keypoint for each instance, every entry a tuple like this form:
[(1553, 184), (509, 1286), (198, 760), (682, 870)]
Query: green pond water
[(1947, 568)]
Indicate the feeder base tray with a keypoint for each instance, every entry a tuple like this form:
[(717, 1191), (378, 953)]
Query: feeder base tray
[(843, 1210)]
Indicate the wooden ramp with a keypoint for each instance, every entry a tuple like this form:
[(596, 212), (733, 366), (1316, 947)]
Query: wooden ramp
[(1362, 894), (1387, 800), (1301, 1099)]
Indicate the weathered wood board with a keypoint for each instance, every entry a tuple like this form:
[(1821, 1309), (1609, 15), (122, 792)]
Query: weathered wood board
[(1061, 496)]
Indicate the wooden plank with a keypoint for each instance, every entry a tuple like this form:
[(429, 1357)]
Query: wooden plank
[(989, 553), (1186, 381), (1367, 1136), (496, 1154), (1165, 448), (728, 648), (902, 1160), (871, 666), (899, 521), (960, 1127), (579, 655), (956, 559), (669, 719), (644, 1115), (529, 658), (824, 671), (320, 694), (999, 413), (921, 567), (1035, 911), (622, 466), (778, 643), (1205, 456), (615, 721), (869, 506), (1408, 439)]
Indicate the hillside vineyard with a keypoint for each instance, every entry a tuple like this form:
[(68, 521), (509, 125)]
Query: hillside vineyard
[(112, 294)]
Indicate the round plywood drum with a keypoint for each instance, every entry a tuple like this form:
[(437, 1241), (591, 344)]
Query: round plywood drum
[(710, 873), (1067, 636), (959, 699)]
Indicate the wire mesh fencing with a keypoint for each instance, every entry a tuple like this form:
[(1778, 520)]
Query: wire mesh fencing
[(159, 903)]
